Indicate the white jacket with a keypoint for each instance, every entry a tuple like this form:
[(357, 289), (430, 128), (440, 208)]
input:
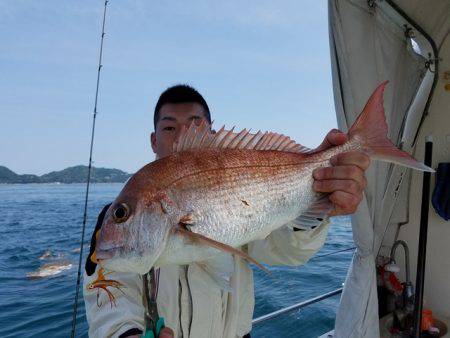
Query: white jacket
[(192, 304)]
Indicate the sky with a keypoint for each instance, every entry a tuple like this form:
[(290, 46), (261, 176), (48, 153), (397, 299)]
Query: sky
[(263, 65)]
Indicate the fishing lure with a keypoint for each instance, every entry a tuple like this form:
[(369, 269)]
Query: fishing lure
[(102, 283)]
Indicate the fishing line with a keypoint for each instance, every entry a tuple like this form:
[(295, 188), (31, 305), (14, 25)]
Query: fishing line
[(334, 252), (77, 292)]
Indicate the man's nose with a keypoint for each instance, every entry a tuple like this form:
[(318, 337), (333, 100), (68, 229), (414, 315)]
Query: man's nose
[(179, 131), (182, 127)]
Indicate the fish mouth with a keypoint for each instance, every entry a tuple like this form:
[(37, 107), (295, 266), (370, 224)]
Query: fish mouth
[(102, 255)]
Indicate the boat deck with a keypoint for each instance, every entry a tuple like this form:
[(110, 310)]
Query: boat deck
[(384, 328)]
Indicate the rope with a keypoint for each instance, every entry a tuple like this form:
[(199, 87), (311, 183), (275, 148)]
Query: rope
[(77, 292)]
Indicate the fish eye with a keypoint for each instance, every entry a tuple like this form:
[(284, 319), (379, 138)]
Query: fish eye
[(121, 213)]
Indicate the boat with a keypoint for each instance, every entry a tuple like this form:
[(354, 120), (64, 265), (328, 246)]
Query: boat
[(406, 42)]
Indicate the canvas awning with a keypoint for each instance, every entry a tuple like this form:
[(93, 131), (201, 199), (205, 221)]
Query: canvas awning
[(370, 42)]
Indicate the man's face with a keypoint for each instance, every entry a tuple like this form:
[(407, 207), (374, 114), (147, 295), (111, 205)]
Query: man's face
[(172, 118)]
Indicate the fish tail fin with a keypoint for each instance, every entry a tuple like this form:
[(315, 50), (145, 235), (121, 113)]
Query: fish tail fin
[(371, 129)]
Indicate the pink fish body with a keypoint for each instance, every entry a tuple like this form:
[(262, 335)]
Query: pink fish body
[(221, 191)]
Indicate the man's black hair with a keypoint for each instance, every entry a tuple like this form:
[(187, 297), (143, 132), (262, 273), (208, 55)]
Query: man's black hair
[(180, 93)]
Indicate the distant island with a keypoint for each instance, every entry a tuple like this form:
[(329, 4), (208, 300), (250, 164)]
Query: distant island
[(76, 174)]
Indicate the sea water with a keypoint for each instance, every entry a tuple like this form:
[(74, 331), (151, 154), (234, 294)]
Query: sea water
[(40, 227)]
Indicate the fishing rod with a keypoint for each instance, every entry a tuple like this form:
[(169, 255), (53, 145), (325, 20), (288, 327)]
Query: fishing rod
[(77, 292)]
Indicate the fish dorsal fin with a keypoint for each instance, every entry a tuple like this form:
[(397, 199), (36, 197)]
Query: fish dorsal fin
[(201, 137)]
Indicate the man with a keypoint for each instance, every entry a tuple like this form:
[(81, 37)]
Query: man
[(192, 304)]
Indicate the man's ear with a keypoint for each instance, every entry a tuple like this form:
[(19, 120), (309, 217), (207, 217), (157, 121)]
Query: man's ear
[(153, 141)]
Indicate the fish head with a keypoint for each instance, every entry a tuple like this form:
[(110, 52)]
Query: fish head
[(134, 231)]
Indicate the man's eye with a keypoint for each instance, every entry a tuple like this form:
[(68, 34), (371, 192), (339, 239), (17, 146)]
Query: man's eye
[(169, 128)]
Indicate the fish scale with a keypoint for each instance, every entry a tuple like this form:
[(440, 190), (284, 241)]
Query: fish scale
[(275, 193)]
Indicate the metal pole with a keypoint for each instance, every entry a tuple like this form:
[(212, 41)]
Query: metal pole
[(422, 249), (295, 306)]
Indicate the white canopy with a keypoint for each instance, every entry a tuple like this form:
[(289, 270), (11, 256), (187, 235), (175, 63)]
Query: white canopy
[(370, 42)]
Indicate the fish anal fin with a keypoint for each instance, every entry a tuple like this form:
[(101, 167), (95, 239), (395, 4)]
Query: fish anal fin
[(217, 245), (317, 212)]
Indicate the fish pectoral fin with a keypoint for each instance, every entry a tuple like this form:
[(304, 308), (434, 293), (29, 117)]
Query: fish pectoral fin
[(220, 269), (315, 214), (200, 239)]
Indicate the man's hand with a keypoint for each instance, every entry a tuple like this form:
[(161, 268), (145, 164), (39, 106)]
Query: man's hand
[(165, 333), (344, 180)]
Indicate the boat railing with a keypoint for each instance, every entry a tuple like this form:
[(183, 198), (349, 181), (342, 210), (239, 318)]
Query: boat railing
[(297, 306), (305, 303)]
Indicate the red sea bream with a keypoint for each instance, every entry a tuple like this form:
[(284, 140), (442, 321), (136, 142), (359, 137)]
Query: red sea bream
[(219, 191)]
